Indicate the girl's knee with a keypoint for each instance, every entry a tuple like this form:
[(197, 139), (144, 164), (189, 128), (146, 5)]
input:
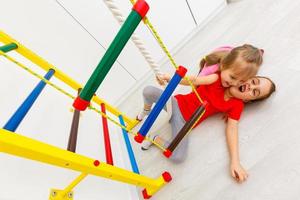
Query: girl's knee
[(180, 153), (148, 91)]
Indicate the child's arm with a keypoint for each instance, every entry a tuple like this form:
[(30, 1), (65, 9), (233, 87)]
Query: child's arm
[(236, 169), (195, 80), (200, 80)]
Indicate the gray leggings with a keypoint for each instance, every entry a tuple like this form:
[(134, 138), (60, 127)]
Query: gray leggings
[(151, 95)]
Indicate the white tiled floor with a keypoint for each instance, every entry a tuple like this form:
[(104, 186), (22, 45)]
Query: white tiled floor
[(269, 131)]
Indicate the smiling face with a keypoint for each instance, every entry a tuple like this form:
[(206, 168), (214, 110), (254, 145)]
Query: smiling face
[(252, 89), (229, 78), (237, 72)]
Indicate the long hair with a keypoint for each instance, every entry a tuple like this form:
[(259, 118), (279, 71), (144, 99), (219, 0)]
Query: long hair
[(251, 56)]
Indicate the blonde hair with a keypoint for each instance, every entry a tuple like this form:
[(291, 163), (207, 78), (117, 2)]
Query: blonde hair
[(248, 54)]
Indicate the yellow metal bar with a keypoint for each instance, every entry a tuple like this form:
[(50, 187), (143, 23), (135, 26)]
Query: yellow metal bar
[(68, 189), (131, 126), (22, 146), (128, 129), (160, 181), (6, 39)]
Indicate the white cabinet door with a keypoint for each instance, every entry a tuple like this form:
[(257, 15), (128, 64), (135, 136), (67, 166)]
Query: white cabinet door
[(171, 19), (46, 28), (203, 9), (98, 21)]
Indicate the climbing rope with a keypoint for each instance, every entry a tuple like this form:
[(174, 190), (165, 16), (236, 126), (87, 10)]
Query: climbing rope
[(134, 37), (167, 52)]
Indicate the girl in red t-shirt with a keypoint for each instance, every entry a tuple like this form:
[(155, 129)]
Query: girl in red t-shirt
[(241, 63)]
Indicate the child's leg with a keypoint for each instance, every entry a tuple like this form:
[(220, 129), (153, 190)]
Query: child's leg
[(177, 122), (155, 132), (151, 95)]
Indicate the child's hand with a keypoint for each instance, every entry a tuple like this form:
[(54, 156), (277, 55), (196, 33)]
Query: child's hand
[(160, 80), (163, 78), (238, 172), (166, 77)]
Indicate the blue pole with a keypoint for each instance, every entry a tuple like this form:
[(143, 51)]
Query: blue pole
[(134, 165), (179, 74), (21, 112)]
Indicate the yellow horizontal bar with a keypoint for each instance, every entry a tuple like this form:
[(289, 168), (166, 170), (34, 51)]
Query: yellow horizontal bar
[(6, 39), (25, 147)]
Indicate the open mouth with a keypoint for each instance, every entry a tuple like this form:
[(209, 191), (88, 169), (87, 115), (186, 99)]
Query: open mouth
[(242, 88)]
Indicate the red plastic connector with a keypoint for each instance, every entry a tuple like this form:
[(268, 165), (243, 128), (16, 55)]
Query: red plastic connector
[(141, 7), (167, 153), (96, 163), (167, 177), (145, 194), (80, 104), (205, 103), (181, 71), (139, 138)]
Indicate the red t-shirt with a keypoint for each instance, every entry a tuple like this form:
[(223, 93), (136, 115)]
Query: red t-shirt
[(214, 95)]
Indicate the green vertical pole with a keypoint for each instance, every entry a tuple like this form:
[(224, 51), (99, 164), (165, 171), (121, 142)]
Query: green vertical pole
[(8, 47), (139, 10)]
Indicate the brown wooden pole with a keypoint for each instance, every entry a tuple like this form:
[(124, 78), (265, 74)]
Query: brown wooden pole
[(184, 130), (74, 130)]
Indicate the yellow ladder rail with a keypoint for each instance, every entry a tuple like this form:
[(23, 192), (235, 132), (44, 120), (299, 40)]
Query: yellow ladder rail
[(6, 39), (18, 145)]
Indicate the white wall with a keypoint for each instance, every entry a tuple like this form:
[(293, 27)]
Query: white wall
[(73, 35), (204, 9)]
